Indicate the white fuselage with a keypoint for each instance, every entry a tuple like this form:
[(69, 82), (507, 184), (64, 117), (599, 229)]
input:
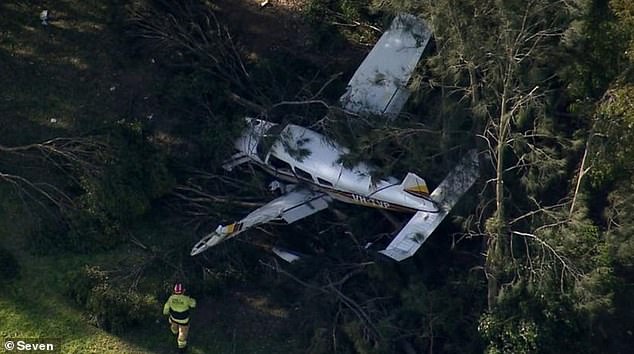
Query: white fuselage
[(300, 155)]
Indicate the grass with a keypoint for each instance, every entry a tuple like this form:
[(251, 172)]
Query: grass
[(33, 307), (72, 75), (36, 305)]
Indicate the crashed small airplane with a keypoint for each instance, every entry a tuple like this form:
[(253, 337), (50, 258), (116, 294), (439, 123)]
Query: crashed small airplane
[(319, 177)]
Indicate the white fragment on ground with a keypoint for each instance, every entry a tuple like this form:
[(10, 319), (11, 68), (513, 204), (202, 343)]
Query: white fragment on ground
[(44, 17), (53, 120), (150, 116), (112, 88), (153, 61), (264, 3)]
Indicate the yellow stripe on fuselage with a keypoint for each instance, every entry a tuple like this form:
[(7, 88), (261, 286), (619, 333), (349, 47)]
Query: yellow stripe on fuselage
[(420, 188)]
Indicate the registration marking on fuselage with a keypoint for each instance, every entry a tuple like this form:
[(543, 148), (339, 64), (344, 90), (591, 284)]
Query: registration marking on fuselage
[(344, 196), (370, 201)]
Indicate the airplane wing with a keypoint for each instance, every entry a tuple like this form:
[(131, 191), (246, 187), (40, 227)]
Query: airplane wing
[(292, 206), (422, 224), (379, 84)]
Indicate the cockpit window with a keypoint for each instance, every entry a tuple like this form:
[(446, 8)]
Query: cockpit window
[(279, 165), (303, 174), (268, 139), (275, 130), (324, 182)]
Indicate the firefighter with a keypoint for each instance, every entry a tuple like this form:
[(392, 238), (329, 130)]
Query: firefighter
[(177, 307)]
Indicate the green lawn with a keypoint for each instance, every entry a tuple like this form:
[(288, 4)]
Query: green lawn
[(35, 306)]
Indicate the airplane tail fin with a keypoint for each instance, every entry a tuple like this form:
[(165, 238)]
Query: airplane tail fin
[(415, 185)]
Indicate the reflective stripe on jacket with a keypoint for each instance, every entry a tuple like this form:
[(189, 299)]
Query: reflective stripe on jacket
[(177, 306)]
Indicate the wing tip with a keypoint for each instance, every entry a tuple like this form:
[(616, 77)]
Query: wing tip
[(396, 254)]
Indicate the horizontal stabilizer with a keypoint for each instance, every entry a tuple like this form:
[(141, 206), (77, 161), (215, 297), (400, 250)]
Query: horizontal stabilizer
[(379, 86), (446, 195), (287, 255)]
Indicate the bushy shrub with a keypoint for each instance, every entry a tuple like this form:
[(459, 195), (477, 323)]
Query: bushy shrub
[(132, 176), (135, 174), (9, 266), (113, 307), (528, 319)]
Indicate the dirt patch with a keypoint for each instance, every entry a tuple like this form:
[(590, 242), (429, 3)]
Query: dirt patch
[(289, 5), (280, 27)]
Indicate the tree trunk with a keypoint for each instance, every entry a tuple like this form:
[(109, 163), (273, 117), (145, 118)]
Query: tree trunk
[(496, 249)]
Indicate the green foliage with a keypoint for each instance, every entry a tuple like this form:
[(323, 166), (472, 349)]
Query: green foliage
[(336, 24), (442, 315), (320, 343), (111, 306), (615, 131), (120, 193), (508, 336), (624, 11), (323, 35), (354, 332), (597, 44), (203, 123), (352, 9), (9, 266), (607, 292), (526, 321), (136, 175), (620, 235)]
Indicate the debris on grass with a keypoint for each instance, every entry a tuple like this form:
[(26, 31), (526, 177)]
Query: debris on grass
[(44, 17)]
